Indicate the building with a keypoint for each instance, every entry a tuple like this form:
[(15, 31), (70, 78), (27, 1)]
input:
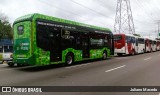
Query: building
[(6, 48)]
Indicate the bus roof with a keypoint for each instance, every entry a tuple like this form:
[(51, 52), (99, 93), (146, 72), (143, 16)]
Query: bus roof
[(36, 16), (125, 34)]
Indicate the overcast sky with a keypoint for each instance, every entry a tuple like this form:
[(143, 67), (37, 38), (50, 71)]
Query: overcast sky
[(96, 12)]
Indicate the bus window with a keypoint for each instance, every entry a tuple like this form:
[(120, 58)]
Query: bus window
[(128, 39), (133, 40), (150, 42), (47, 37), (11, 48), (141, 41), (98, 40), (20, 30), (42, 39), (1, 49), (106, 40), (70, 39), (154, 42), (117, 37), (8, 49)]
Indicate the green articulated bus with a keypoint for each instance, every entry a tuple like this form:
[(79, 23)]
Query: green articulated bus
[(45, 40)]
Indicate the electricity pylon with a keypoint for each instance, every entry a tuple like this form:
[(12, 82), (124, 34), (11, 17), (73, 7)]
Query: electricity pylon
[(124, 20)]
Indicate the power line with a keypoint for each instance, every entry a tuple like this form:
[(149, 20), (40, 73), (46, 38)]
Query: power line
[(149, 7), (141, 6), (64, 10), (142, 22), (90, 9)]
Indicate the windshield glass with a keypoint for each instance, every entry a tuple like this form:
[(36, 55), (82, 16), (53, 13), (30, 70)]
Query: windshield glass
[(117, 37)]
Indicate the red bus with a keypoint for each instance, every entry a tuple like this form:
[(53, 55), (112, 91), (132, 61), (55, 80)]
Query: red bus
[(125, 44), (154, 45), (148, 45), (158, 45)]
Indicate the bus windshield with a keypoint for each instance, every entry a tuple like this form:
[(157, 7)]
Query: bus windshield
[(117, 37)]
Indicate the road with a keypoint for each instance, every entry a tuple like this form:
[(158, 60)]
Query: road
[(139, 70)]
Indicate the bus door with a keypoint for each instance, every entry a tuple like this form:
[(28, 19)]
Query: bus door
[(85, 45), (146, 44), (129, 41), (55, 44), (137, 45)]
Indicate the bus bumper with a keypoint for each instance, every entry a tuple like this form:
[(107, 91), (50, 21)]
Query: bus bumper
[(120, 51), (22, 61)]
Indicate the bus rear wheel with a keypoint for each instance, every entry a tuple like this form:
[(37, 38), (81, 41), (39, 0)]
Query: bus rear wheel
[(69, 59), (19, 65)]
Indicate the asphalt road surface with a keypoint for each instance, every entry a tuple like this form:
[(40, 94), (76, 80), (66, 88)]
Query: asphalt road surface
[(139, 70)]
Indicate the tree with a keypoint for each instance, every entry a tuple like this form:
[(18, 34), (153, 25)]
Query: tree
[(6, 30)]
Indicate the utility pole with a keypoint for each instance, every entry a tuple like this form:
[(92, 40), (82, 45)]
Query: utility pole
[(124, 20), (158, 31)]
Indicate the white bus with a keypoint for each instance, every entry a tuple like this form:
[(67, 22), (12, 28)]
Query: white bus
[(154, 45), (140, 45), (148, 45)]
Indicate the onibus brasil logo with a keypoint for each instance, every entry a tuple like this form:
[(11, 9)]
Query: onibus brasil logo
[(19, 89)]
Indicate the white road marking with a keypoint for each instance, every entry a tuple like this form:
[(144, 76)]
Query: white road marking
[(77, 65), (122, 58), (147, 58), (115, 68)]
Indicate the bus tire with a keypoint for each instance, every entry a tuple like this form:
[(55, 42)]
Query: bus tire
[(69, 59), (133, 52), (119, 54), (10, 64), (104, 56), (19, 65), (143, 51)]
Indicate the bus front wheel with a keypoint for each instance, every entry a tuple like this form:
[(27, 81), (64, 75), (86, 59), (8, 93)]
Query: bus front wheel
[(104, 56), (10, 64), (119, 54), (69, 59)]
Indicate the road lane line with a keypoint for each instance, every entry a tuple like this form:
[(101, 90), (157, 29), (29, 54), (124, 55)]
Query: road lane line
[(147, 58), (77, 66), (122, 58), (115, 68)]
